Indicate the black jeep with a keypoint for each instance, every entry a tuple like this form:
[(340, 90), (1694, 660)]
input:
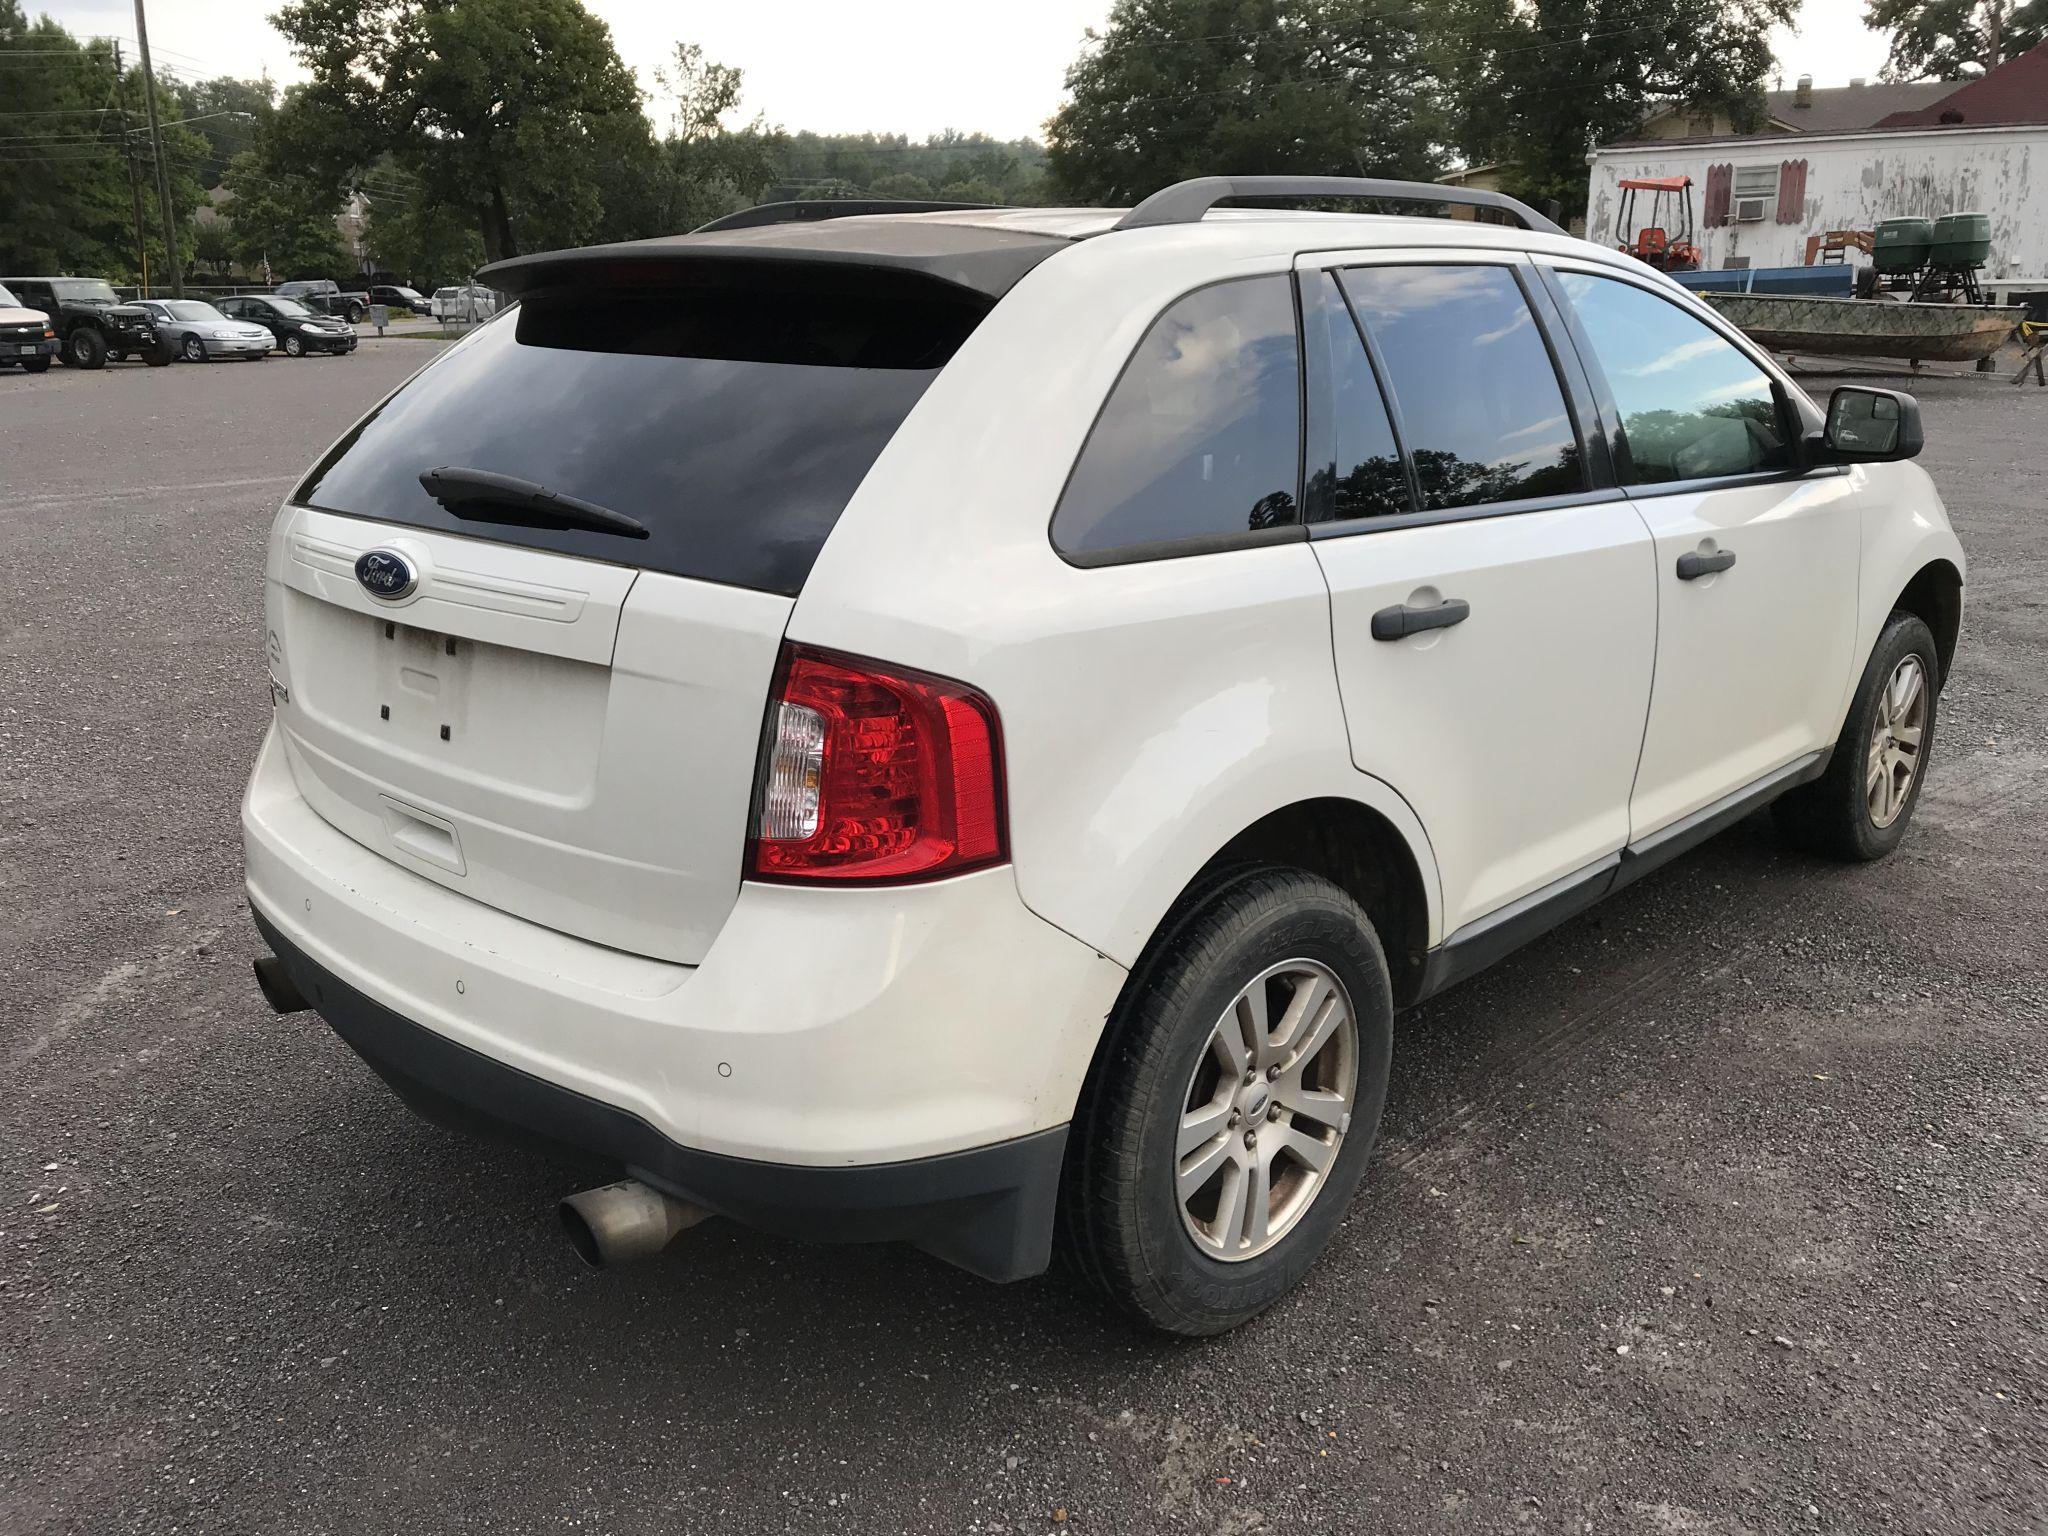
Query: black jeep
[(93, 326)]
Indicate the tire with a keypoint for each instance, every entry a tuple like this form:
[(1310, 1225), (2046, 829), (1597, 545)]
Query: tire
[(36, 365), (158, 356), (293, 347), (85, 348), (354, 314), (1842, 815), (1121, 1211), (194, 350)]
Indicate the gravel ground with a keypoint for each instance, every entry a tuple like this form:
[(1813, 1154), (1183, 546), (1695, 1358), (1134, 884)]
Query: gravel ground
[(1719, 1210)]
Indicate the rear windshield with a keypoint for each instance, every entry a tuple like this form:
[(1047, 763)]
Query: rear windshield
[(733, 416)]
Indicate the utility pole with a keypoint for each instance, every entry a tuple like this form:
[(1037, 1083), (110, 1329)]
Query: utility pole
[(163, 171), (134, 186)]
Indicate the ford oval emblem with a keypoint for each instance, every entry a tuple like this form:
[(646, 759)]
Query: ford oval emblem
[(386, 574)]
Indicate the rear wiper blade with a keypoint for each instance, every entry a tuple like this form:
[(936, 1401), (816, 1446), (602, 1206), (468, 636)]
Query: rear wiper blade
[(479, 495)]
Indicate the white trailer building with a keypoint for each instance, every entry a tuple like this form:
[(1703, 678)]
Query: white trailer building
[(1766, 199)]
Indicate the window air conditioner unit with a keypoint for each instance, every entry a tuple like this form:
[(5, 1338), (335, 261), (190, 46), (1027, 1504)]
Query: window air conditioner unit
[(1749, 210)]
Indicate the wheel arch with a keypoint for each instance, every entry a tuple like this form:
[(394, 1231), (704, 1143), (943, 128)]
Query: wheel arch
[(1356, 846), (1935, 596)]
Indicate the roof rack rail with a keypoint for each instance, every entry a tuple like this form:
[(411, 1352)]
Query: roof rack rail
[(1185, 202), (811, 211)]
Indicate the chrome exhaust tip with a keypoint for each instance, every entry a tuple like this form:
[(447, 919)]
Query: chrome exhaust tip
[(627, 1220)]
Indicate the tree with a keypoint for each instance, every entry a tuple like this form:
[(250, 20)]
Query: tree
[(903, 185), (229, 114), (1179, 88), (1536, 84), (496, 106), (213, 246), (65, 204), (880, 165), (282, 222), (1955, 39), (429, 244)]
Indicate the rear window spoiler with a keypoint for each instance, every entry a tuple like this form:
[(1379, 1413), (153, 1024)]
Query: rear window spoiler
[(974, 258)]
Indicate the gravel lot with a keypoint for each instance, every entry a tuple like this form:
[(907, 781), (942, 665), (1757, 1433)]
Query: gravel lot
[(1720, 1210)]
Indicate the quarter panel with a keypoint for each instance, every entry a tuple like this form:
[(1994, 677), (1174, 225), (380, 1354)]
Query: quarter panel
[(1150, 711)]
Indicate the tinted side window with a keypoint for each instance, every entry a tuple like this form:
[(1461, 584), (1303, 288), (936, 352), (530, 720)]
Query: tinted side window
[(1354, 463), (1201, 435), (1692, 406), (1482, 413)]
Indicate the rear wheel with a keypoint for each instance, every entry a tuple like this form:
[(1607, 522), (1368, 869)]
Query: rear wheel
[(85, 348), (1234, 1103), (1858, 810)]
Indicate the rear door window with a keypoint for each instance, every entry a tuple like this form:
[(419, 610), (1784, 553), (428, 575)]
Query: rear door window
[(1481, 411), (1201, 436), (1354, 462), (1692, 405), (734, 414)]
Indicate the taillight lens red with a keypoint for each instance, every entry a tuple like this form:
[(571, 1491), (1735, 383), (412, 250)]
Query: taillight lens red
[(875, 773)]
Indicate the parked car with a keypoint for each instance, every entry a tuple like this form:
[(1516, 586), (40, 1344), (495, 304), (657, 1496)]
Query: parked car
[(298, 329), (1181, 643), (327, 297), (93, 326), (26, 336), (469, 303), (408, 300), (198, 332)]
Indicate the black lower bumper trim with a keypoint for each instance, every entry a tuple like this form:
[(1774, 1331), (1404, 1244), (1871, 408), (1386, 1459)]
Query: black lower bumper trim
[(988, 1210)]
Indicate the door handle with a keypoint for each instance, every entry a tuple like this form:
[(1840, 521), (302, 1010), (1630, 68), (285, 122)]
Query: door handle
[(1401, 621), (1692, 565)]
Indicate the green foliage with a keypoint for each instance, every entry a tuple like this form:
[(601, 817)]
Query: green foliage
[(228, 115), (903, 184), (1538, 83), (1955, 39), (1179, 88), (65, 199), (213, 247), (428, 244), (882, 164), (281, 221), (506, 108)]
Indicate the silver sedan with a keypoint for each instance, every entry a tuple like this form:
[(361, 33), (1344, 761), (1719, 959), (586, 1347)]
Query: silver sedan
[(198, 332)]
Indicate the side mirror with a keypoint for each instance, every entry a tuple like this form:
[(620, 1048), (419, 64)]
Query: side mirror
[(1868, 426)]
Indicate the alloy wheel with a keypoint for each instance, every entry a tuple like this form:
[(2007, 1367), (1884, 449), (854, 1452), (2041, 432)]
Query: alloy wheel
[(1897, 740), (1266, 1110), (195, 350)]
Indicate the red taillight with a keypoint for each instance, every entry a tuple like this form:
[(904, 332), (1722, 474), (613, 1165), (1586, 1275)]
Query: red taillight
[(875, 773)]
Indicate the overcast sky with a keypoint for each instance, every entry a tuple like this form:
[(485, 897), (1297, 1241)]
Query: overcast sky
[(898, 66)]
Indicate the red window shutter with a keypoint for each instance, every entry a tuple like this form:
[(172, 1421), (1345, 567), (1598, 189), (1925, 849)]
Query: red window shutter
[(1792, 192), (1720, 178)]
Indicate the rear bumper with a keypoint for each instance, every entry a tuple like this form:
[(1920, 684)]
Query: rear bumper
[(988, 1210), (871, 1035)]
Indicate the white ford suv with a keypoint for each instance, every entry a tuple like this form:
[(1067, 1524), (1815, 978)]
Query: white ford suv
[(965, 726)]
